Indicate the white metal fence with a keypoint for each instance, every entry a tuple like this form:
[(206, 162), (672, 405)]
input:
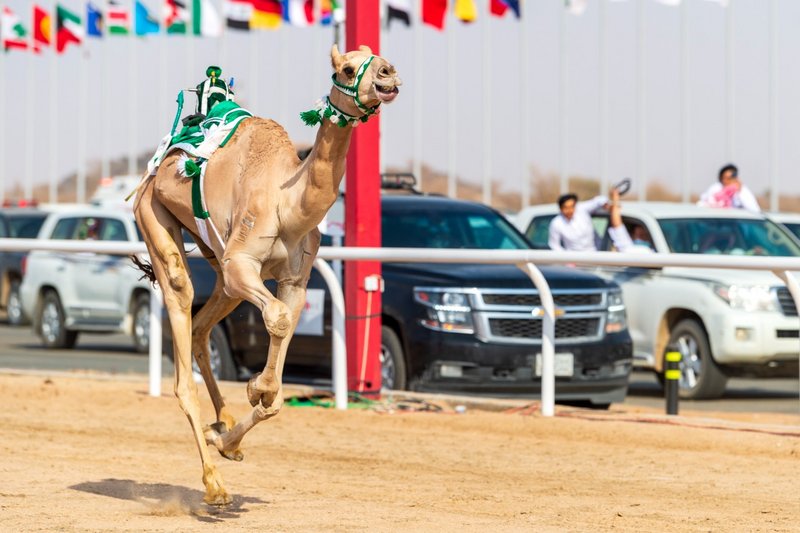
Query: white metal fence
[(526, 260)]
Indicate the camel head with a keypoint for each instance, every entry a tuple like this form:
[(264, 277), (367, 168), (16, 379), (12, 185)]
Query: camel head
[(363, 81)]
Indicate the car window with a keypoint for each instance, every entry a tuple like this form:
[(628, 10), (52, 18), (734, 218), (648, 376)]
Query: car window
[(113, 230), (26, 227), (537, 231), (65, 228), (728, 236), (449, 229), (794, 227)]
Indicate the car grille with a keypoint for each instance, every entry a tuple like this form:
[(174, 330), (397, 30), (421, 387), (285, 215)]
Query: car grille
[(787, 302), (533, 300), (566, 328), (514, 316)]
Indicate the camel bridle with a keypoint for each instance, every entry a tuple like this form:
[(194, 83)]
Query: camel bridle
[(352, 90)]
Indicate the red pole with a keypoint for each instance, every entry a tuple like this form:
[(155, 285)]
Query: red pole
[(363, 220)]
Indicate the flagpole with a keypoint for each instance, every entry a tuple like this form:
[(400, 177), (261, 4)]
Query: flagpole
[(418, 131), (603, 99), (487, 118), (452, 119), (773, 106), (82, 128), (730, 93), (3, 183), (685, 193), (641, 101), (562, 104), (53, 178), (30, 121), (133, 100), (524, 68), (105, 166), (163, 86)]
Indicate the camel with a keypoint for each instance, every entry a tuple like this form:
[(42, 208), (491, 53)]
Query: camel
[(266, 204)]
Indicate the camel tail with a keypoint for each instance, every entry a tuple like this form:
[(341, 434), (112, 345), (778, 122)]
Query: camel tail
[(136, 189), (145, 267)]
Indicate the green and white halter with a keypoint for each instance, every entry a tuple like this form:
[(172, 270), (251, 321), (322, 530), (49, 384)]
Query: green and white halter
[(325, 109)]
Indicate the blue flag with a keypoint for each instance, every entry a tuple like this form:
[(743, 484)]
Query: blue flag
[(94, 21), (144, 22)]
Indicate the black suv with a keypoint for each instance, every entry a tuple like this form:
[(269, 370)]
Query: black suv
[(457, 327), (16, 223)]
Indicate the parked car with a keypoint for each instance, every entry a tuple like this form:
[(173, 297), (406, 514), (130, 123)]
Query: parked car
[(790, 221), (463, 327), (65, 293), (16, 223), (725, 322)]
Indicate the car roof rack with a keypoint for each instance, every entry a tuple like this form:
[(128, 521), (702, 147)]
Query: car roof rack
[(404, 181)]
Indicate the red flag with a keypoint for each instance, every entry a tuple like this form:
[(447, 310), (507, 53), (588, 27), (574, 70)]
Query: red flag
[(42, 28), (433, 13), (497, 7)]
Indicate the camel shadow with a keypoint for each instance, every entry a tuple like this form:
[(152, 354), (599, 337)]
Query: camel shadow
[(162, 499)]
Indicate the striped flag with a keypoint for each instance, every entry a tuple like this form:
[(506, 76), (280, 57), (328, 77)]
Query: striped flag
[(399, 10), (331, 12), (498, 8), (42, 28), (69, 28), (267, 14), (298, 12), (238, 14), (205, 19), (118, 18), (433, 13), (13, 33)]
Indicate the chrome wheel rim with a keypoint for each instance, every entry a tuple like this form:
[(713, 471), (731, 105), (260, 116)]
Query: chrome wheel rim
[(51, 322), (214, 359), (387, 368), (141, 326), (691, 363), (14, 308)]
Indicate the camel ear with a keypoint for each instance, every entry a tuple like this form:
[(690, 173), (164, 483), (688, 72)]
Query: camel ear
[(366, 49), (336, 58)]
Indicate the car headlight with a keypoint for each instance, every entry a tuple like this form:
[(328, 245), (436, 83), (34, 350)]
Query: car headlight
[(616, 320), (748, 298), (447, 310)]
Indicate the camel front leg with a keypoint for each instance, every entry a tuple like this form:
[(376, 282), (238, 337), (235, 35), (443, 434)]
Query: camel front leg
[(265, 390)]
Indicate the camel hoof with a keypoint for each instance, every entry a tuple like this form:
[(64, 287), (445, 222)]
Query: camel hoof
[(218, 498), (213, 432), (215, 492), (253, 394)]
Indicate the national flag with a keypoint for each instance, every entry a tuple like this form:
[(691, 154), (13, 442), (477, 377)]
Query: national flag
[(267, 14), (144, 23), (298, 12), (433, 13), (331, 12), (498, 8), (238, 14), (576, 7), (42, 28), (94, 21), (399, 10), (176, 16), (12, 31), (205, 19), (118, 18), (69, 28), (466, 10)]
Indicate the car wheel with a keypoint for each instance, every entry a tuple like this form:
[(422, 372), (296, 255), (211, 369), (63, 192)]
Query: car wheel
[(393, 364), (701, 378), (52, 324), (14, 306), (221, 358), (141, 323)]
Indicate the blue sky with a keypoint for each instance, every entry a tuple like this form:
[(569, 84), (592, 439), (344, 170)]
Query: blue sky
[(279, 74)]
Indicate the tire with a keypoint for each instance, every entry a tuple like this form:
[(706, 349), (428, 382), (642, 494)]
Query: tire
[(219, 352), (14, 305), (393, 363), (701, 378), (52, 323), (141, 323)]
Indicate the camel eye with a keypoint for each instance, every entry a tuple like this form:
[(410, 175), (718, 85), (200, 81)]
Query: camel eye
[(349, 71), (384, 71)]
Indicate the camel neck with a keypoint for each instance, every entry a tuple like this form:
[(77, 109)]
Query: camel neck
[(327, 159)]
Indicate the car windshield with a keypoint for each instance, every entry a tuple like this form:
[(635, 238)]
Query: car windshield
[(728, 236), (450, 229), (794, 227), (26, 226)]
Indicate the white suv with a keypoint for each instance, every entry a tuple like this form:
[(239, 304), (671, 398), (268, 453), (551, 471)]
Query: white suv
[(64, 293), (725, 322)]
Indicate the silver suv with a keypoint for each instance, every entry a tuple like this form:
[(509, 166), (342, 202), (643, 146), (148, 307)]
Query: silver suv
[(65, 293)]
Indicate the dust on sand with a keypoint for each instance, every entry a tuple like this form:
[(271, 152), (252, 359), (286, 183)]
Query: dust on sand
[(91, 454)]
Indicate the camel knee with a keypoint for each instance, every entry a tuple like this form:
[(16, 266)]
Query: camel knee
[(277, 318)]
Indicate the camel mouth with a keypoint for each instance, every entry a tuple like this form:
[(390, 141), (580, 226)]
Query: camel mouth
[(386, 93)]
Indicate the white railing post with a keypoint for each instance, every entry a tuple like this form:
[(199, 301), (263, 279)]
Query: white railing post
[(548, 338), (337, 325), (156, 306)]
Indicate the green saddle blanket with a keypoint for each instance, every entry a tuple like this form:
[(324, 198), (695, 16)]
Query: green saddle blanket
[(222, 114)]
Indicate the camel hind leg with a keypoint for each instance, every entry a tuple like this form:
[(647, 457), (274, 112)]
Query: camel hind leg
[(161, 230)]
